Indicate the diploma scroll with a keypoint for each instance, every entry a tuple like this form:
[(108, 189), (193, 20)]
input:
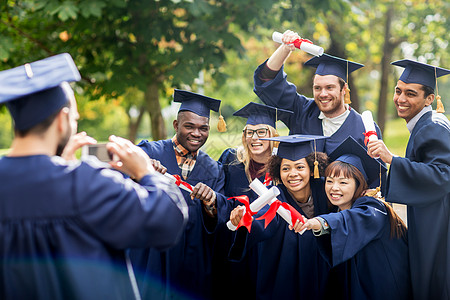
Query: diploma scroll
[(302, 44), (369, 125), (263, 199), (181, 184), (259, 188)]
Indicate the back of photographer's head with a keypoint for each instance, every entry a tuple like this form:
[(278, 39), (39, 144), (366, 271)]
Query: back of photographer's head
[(36, 92)]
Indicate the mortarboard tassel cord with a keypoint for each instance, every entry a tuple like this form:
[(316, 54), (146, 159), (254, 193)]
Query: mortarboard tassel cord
[(221, 125), (316, 163), (439, 104), (347, 91)]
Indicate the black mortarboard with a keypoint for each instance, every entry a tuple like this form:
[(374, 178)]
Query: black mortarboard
[(35, 91), (295, 147), (196, 103), (351, 152), (261, 114), (332, 65), (417, 72)]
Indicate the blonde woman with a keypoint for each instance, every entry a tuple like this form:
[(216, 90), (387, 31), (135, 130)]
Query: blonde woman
[(241, 166)]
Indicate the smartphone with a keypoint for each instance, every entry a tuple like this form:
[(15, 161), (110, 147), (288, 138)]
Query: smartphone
[(97, 150)]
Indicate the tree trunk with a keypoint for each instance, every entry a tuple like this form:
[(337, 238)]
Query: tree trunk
[(388, 49), (151, 97), (133, 126)]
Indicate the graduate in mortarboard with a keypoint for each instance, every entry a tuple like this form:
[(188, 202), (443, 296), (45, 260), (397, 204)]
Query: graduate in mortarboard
[(365, 239), (328, 113), (421, 179), (241, 166), (65, 226), (185, 270), (289, 264)]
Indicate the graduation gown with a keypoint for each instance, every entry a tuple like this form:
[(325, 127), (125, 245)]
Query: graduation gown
[(289, 264), (421, 180), (64, 227), (376, 266), (236, 184), (280, 93), (184, 271)]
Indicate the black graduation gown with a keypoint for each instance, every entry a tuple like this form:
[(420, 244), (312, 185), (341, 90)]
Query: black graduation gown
[(289, 264), (184, 271), (422, 181), (236, 184), (376, 266), (64, 227)]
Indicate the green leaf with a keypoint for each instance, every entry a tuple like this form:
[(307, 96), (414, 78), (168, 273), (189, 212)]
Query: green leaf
[(67, 10), (92, 8)]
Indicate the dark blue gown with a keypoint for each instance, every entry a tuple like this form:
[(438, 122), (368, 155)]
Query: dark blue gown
[(280, 93), (422, 181), (184, 271), (375, 266), (289, 264), (64, 227), (236, 184)]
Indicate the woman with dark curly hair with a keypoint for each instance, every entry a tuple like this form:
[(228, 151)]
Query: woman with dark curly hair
[(289, 264)]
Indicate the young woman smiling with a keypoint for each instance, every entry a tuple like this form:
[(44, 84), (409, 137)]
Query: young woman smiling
[(365, 242), (289, 265)]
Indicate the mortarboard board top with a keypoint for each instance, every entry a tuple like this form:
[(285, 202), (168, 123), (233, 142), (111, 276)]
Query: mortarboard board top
[(196, 103), (295, 147), (421, 73), (331, 65), (35, 91), (351, 152), (261, 114)]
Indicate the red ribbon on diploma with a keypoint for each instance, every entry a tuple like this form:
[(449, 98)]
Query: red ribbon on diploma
[(267, 180), (367, 135), (179, 182), (298, 42), (270, 214), (247, 218)]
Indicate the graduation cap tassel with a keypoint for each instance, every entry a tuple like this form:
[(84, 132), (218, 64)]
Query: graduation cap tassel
[(440, 105), (347, 91), (374, 192), (221, 125), (316, 163)]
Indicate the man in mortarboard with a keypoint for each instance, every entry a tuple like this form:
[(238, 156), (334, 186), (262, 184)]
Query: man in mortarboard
[(421, 179), (326, 114), (64, 225), (186, 268)]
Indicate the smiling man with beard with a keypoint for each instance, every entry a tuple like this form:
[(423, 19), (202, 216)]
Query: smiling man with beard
[(185, 270), (327, 114)]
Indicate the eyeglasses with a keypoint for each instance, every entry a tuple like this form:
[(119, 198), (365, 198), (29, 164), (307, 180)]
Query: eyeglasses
[(260, 132)]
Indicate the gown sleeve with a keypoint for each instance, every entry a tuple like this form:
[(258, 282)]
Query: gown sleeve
[(428, 174), (352, 229), (151, 214)]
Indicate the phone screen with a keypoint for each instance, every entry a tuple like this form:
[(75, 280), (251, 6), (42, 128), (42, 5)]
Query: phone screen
[(98, 150)]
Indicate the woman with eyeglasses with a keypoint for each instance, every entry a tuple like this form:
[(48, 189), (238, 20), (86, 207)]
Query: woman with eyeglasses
[(241, 166)]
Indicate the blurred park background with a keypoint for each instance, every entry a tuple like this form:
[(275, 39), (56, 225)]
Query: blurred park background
[(133, 53)]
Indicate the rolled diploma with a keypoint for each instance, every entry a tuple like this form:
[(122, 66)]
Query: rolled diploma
[(260, 189), (264, 198), (307, 47), (173, 179), (369, 125)]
